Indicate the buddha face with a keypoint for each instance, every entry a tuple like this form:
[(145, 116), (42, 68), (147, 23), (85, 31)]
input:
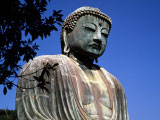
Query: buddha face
[(89, 36)]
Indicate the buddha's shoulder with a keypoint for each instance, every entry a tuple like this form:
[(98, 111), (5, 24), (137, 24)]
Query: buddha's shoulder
[(50, 57), (44, 59)]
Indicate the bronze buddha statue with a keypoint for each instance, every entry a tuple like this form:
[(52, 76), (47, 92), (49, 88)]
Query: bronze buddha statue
[(78, 89)]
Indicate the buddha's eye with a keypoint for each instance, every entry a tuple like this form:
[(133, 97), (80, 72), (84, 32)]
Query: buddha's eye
[(105, 35), (104, 32), (89, 29)]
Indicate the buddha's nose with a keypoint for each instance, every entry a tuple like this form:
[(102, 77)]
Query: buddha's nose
[(97, 36)]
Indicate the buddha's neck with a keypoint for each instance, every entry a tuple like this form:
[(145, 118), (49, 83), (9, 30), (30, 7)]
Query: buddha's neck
[(82, 59)]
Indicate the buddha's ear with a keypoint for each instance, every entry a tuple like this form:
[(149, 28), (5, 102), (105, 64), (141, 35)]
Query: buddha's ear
[(66, 48)]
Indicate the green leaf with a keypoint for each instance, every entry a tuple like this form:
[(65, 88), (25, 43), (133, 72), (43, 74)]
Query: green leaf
[(4, 90), (59, 11), (48, 73), (54, 28), (36, 78), (9, 85), (55, 65)]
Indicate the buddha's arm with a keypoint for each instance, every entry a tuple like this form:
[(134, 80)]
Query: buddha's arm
[(38, 104), (122, 108), (34, 103)]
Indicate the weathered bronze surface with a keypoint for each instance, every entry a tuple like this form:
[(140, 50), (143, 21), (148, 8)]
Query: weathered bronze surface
[(78, 89)]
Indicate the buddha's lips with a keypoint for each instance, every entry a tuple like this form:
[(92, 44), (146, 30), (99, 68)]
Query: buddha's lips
[(97, 46)]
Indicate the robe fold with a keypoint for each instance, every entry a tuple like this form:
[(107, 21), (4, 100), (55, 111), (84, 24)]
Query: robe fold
[(63, 102)]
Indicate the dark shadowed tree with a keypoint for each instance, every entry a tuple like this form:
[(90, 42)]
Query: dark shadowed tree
[(16, 19), (8, 115)]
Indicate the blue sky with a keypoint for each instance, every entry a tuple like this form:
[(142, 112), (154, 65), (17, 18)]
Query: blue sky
[(132, 54)]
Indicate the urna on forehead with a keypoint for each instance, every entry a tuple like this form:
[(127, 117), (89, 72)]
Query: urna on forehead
[(72, 19)]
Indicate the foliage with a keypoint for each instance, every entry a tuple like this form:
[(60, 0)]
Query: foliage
[(16, 19), (41, 82), (8, 115)]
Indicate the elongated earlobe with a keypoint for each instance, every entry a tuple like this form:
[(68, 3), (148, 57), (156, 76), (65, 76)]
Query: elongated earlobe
[(66, 48)]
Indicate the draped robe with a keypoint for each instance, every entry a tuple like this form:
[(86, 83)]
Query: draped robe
[(63, 102)]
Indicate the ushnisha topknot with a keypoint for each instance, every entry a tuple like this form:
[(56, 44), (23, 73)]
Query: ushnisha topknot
[(70, 21), (72, 18)]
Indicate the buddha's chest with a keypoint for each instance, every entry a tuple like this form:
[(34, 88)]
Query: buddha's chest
[(93, 90), (95, 97)]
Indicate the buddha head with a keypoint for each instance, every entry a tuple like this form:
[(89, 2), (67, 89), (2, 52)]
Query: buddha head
[(85, 32)]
